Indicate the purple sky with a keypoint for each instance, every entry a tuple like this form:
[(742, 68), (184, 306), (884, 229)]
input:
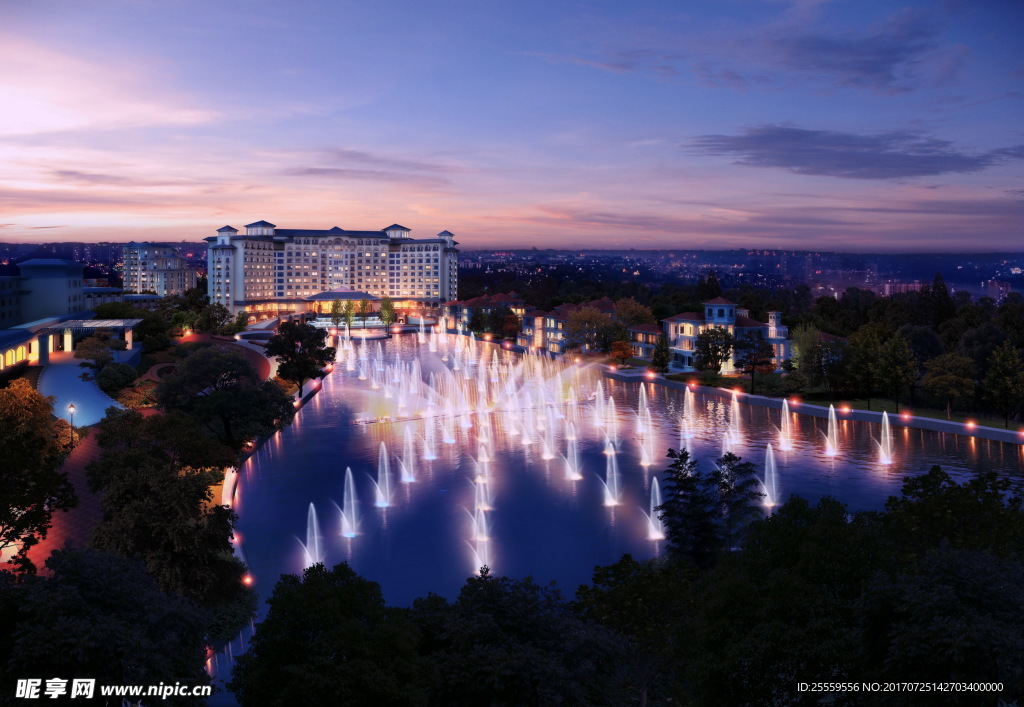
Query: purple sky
[(865, 125)]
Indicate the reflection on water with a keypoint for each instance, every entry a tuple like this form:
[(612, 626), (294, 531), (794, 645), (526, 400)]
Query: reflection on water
[(419, 462)]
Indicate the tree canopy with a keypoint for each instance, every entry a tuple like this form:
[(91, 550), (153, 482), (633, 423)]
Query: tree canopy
[(301, 350), (32, 485), (220, 389)]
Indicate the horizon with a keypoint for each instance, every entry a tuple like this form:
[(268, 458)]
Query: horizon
[(813, 125)]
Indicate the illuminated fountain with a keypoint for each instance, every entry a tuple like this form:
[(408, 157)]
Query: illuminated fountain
[(770, 483), (655, 528), (481, 497), (885, 443), (311, 550), (429, 440), (832, 436), (735, 431), (785, 435), (612, 479), (349, 516), (572, 460), (382, 485), (407, 464)]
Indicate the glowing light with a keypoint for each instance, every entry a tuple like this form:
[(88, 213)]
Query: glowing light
[(794, 402), (247, 580), (906, 416), (971, 424), (612, 367), (844, 409), (651, 375)]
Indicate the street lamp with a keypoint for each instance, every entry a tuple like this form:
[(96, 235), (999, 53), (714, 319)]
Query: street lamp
[(71, 409)]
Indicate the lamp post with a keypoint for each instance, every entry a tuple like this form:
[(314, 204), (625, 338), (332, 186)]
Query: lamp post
[(71, 409)]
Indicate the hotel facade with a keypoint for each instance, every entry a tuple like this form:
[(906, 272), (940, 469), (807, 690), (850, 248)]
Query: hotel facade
[(270, 271)]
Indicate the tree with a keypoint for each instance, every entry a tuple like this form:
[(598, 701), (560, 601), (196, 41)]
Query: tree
[(510, 326), (739, 497), (642, 602), (1004, 384), (688, 511), (478, 321), (337, 313), (363, 310), (629, 312), (219, 388), (585, 328), (101, 617), (803, 339), (661, 357), (828, 365), (301, 351), (897, 367), (514, 642), (757, 356), (387, 310), (865, 359), (98, 350), (942, 304), (496, 320), (32, 486), (163, 515), (116, 376), (329, 637), (212, 318), (950, 377), (708, 288), (621, 351), (152, 324), (712, 349), (349, 312)]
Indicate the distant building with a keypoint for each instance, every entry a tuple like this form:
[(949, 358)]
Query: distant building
[(996, 289), (683, 329), (155, 268), (643, 338), (897, 288), (270, 270), (456, 314), (549, 330), (45, 287)]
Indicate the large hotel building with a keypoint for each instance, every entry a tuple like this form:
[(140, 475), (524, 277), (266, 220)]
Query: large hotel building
[(272, 270)]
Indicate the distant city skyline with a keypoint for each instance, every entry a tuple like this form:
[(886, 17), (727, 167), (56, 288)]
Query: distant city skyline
[(780, 124)]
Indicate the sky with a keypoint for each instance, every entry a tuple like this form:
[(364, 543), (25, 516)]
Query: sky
[(871, 126)]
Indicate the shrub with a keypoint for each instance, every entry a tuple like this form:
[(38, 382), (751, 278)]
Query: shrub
[(115, 376), (157, 342), (795, 382)]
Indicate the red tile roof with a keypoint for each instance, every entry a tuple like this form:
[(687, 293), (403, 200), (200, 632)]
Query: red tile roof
[(647, 328), (719, 300)]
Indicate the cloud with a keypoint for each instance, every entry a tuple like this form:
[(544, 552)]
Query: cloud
[(45, 91), (416, 180), (891, 155), (886, 58), (106, 180), (345, 155)]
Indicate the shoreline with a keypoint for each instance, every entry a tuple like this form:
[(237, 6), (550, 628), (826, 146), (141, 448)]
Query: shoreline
[(902, 420)]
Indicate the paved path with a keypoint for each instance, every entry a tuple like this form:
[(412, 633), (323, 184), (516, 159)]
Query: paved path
[(62, 379)]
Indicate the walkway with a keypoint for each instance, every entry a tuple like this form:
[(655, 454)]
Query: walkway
[(75, 526), (62, 379)]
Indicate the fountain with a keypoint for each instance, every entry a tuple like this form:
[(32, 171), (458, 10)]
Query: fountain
[(612, 479), (655, 528), (735, 432), (785, 435), (770, 483), (832, 436), (383, 483), (481, 497), (349, 517), (429, 440), (311, 551), (885, 444), (572, 460)]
